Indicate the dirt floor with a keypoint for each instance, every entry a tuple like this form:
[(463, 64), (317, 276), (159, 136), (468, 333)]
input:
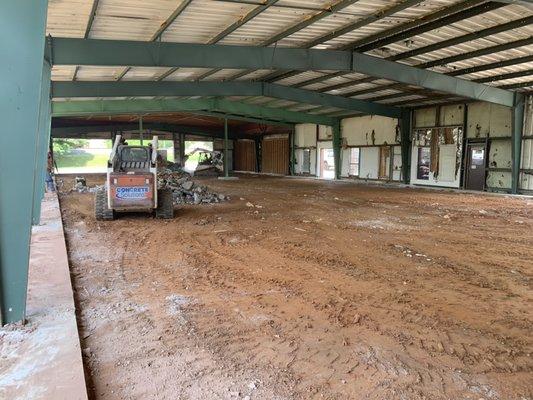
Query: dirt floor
[(301, 289)]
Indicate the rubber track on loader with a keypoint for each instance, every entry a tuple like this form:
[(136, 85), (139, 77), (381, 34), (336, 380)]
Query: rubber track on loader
[(101, 211), (165, 204)]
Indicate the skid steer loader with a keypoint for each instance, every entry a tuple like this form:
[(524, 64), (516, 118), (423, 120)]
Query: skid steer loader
[(131, 183)]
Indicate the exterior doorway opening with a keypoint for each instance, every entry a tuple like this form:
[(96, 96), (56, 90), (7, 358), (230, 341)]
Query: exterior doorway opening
[(327, 164)]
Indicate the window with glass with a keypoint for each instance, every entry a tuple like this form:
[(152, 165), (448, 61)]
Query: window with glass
[(128, 154), (354, 161), (424, 163)]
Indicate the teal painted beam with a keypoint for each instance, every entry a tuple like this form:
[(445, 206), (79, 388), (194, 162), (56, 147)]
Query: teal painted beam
[(87, 89), (45, 121), (98, 52), (20, 85), (328, 100), (73, 51), (91, 131), (173, 89), (136, 106), (402, 73)]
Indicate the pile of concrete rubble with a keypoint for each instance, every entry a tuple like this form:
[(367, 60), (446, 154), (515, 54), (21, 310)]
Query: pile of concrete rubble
[(80, 186), (185, 190)]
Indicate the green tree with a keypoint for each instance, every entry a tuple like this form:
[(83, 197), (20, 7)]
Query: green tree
[(62, 146)]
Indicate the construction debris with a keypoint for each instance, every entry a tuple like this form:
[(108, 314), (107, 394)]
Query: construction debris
[(185, 190), (80, 186)]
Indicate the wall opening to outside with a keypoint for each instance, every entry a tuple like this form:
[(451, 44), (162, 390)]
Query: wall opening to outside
[(194, 150), (76, 156)]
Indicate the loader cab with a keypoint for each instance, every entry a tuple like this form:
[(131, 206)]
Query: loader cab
[(131, 159)]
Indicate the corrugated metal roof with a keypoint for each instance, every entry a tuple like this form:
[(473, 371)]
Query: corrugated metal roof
[(202, 20)]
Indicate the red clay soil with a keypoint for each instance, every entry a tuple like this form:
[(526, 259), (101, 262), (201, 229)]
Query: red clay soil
[(312, 290)]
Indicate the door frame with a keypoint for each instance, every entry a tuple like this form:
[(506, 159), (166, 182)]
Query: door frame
[(468, 160)]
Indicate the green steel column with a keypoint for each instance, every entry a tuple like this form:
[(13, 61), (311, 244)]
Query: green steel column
[(226, 151), (45, 120), (337, 141), (182, 150), (405, 130), (20, 85), (516, 150), (292, 150), (141, 129), (175, 148)]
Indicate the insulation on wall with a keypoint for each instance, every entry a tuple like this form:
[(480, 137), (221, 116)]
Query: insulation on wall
[(305, 135), (425, 117), (325, 132), (369, 163), (488, 120), (305, 146), (526, 177), (447, 162), (370, 130), (376, 131), (499, 179)]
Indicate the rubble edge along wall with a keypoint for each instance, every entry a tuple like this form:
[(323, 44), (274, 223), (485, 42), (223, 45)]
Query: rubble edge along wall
[(377, 139)]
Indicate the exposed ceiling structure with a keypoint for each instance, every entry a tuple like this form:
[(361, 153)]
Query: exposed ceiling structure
[(161, 123), (486, 42)]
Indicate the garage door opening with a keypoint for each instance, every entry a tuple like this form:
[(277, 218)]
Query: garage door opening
[(194, 150)]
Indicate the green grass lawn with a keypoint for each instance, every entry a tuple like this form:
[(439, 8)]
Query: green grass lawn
[(67, 160), (87, 159)]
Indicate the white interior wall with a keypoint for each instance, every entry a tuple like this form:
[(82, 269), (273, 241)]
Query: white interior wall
[(492, 120), (345, 162), (325, 132), (357, 131), (367, 131), (305, 137), (369, 163), (485, 119)]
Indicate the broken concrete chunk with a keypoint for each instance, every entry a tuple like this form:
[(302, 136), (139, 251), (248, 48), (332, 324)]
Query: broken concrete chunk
[(187, 185), (185, 190)]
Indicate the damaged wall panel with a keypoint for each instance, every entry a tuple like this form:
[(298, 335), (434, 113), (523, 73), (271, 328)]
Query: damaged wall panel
[(305, 140), (488, 120), (370, 130), (374, 136), (437, 146), (526, 177)]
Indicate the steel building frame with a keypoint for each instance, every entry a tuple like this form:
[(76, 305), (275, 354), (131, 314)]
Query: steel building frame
[(26, 88)]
